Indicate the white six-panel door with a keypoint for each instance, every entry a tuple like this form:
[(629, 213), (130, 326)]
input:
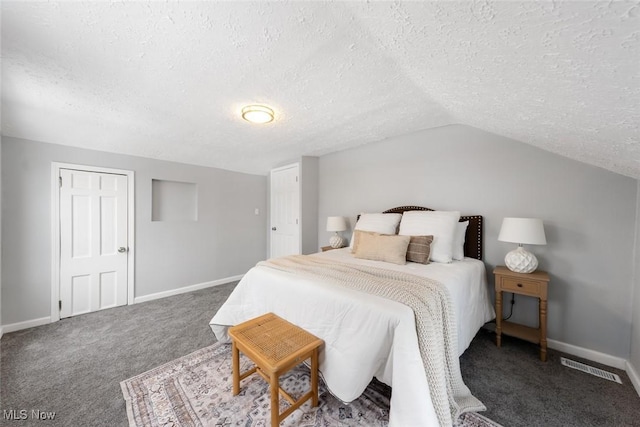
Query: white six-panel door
[(93, 241), (285, 211)]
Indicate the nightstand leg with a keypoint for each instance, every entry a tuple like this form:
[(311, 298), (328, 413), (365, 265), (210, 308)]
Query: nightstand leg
[(543, 330), (499, 318)]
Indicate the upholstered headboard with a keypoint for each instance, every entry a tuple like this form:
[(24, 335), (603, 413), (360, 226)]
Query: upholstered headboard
[(473, 238)]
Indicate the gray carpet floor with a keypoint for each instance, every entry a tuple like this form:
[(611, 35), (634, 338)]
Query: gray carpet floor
[(74, 368), (519, 390)]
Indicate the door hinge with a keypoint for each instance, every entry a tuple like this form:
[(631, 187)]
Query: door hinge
[(296, 178), (59, 305), (296, 221), (60, 180)]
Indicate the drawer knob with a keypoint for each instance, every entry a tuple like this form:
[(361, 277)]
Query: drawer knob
[(519, 285)]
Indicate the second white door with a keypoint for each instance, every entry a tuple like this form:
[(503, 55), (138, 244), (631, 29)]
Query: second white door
[(285, 211), (93, 241)]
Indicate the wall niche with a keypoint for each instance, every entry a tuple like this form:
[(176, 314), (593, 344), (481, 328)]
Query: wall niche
[(174, 201)]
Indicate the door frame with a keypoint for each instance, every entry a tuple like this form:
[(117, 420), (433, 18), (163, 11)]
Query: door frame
[(55, 229)]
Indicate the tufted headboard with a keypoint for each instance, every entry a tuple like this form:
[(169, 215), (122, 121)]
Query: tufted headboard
[(473, 238)]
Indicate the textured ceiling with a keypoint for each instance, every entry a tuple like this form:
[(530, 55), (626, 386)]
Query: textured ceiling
[(167, 80)]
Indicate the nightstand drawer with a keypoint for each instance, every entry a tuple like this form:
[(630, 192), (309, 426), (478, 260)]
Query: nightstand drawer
[(520, 286)]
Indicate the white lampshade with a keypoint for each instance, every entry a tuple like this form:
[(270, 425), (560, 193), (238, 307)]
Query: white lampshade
[(336, 223), (523, 231)]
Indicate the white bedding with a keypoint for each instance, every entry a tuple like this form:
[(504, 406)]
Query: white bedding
[(365, 335)]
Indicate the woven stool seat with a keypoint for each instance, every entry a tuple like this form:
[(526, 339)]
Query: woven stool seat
[(275, 346)]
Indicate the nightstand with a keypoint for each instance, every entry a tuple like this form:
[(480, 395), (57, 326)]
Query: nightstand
[(531, 284)]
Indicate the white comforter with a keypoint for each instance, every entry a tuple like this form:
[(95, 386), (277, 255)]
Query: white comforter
[(365, 335)]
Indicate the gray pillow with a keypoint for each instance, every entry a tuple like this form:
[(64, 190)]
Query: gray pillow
[(419, 249)]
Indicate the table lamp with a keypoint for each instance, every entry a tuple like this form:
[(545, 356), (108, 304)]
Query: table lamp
[(335, 224), (523, 231)]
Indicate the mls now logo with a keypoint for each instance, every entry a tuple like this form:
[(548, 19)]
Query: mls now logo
[(23, 414)]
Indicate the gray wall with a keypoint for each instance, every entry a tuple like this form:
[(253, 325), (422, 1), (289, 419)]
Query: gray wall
[(589, 216), (226, 240), (309, 204), (634, 359), (1, 138)]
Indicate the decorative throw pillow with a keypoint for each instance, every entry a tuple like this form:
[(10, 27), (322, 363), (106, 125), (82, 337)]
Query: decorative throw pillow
[(419, 249), (356, 239), (378, 222), (458, 242), (439, 224), (379, 247)]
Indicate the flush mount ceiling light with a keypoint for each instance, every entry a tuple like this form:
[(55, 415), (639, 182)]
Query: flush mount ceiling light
[(257, 114)]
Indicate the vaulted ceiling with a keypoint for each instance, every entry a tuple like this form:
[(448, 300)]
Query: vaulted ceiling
[(167, 80)]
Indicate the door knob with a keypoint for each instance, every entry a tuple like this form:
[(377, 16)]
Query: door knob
[(273, 228), (122, 249)]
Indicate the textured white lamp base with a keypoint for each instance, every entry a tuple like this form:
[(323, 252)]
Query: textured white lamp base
[(521, 261), (336, 241)]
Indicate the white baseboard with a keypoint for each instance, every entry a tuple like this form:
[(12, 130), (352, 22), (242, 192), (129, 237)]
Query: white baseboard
[(596, 356), (634, 377), (46, 320), (186, 289), (585, 353), (12, 327)]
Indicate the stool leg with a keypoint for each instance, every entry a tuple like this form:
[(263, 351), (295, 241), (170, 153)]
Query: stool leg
[(314, 377), (235, 357), (275, 399)]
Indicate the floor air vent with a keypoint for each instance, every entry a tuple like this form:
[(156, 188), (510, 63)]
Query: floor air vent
[(590, 370)]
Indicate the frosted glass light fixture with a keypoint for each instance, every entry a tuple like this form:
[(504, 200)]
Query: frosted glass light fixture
[(257, 114), (336, 223), (523, 231)]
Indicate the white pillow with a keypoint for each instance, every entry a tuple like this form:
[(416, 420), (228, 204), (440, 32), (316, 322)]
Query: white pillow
[(458, 242), (440, 224), (378, 222)]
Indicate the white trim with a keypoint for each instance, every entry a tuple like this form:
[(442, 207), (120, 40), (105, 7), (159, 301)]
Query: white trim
[(596, 356), (634, 377), (25, 325), (55, 230), (45, 320), (186, 289), (585, 353)]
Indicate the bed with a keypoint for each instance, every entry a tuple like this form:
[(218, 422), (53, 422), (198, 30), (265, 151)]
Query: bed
[(368, 335)]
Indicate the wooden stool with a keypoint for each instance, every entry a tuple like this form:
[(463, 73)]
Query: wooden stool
[(275, 346)]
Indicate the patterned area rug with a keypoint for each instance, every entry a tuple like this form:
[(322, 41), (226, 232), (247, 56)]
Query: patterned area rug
[(196, 390)]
